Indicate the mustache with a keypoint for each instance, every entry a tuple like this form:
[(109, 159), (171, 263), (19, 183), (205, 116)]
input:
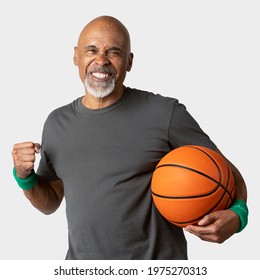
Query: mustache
[(107, 70)]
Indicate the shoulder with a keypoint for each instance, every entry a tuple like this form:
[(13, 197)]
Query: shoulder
[(152, 99), (60, 114), (67, 109)]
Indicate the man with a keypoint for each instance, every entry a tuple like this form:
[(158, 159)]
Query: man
[(100, 152)]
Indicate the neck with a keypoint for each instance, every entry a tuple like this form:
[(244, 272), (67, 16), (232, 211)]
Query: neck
[(93, 102)]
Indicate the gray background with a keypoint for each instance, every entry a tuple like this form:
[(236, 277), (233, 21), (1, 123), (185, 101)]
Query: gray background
[(205, 53)]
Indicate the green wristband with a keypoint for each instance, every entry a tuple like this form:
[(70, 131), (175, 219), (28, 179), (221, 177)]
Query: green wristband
[(27, 183), (240, 207)]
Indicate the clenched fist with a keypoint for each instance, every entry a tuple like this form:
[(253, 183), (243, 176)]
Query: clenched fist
[(24, 155)]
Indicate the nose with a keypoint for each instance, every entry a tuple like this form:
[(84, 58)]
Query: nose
[(101, 59)]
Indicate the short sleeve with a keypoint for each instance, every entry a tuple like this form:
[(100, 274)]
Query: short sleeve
[(184, 130), (45, 168)]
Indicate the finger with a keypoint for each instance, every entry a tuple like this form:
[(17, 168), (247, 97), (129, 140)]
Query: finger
[(24, 151), (205, 226), (27, 148), (27, 158), (207, 220), (210, 218), (199, 230), (204, 233), (27, 145), (37, 147), (21, 156), (23, 145), (21, 163)]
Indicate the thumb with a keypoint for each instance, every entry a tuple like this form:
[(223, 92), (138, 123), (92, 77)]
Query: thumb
[(37, 147), (208, 219)]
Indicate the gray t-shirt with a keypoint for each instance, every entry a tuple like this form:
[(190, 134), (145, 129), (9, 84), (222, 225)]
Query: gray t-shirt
[(106, 158)]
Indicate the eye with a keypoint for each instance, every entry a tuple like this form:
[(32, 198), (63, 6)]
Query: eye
[(90, 50), (114, 52)]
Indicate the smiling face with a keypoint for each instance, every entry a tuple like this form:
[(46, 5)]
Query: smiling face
[(103, 56)]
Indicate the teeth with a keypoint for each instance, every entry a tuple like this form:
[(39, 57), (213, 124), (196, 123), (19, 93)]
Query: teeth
[(100, 75)]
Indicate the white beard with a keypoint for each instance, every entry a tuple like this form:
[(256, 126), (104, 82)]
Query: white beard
[(99, 89)]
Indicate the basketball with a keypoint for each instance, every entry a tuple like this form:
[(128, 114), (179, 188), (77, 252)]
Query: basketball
[(190, 182)]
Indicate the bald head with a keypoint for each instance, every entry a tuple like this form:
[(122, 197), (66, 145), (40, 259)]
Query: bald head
[(105, 25)]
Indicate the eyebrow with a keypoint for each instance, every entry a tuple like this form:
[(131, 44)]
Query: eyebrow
[(109, 49), (90, 47)]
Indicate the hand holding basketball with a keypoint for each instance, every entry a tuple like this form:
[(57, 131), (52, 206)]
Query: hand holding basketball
[(24, 157), (216, 226)]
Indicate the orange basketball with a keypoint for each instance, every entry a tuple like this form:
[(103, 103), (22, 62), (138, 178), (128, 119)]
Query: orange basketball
[(190, 182)]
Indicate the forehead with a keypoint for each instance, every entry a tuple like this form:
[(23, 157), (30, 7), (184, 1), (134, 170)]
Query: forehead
[(103, 35), (100, 40)]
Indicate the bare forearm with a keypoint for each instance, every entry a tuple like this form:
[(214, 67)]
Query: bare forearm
[(45, 196), (241, 190)]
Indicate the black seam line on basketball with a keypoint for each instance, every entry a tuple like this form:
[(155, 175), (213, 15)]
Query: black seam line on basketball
[(208, 155), (196, 171), (213, 160), (220, 173), (209, 211), (228, 181), (204, 214), (186, 222), (184, 197)]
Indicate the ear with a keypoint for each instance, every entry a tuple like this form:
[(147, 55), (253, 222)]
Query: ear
[(130, 62), (76, 56)]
